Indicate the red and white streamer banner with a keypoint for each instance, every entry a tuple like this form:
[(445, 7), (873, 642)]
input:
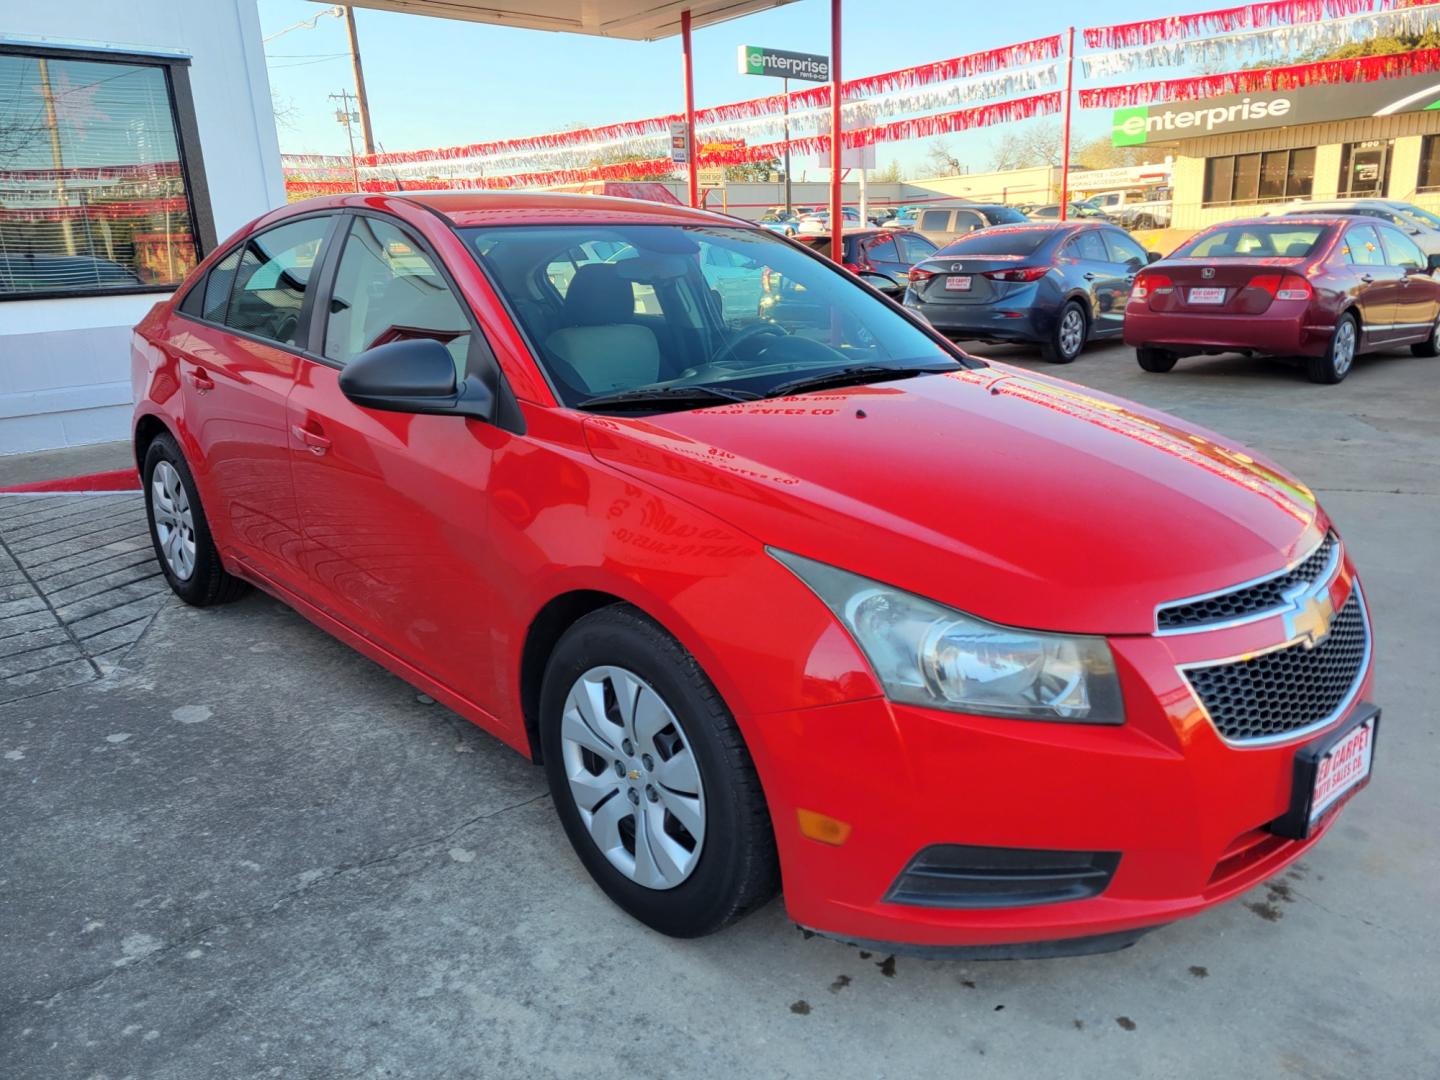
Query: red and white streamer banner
[(309, 182), (1228, 20), (610, 136), (1355, 69), (1275, 43)]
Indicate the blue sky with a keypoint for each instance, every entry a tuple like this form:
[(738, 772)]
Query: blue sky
[(437, 82)]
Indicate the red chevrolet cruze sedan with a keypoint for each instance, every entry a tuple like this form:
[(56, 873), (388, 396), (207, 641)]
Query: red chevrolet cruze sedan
[(1325, 289), (967, 658)]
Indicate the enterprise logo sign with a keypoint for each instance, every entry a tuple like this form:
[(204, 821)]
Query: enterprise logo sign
[(1135, 125), (756, 60)]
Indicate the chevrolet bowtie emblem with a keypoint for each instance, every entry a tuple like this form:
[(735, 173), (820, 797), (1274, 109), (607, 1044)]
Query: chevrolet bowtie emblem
[(634, 774), (1310, 613)]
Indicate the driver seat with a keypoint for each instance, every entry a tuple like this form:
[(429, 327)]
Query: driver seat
[(604, 351)]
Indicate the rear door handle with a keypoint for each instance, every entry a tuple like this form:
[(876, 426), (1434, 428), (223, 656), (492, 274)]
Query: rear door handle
[(317, 443), (1089, 276), (1367, 278), (201, 381)]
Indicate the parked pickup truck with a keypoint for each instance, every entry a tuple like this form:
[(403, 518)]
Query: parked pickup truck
[(1135, 209)]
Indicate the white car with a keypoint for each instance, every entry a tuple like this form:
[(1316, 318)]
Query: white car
[(819, 221), (1419, 224)]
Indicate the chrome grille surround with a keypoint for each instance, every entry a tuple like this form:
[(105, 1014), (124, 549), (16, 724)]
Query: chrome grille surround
[(1250, 601), (1291, 690)]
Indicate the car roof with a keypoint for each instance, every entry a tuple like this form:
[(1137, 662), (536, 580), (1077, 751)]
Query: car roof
[(470, 208), (1290, 219)]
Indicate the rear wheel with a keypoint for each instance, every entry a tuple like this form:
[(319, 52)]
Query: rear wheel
[(1339, 355), (1068, 337), (651, 777), (180, 531), (1431, 346), (1156, 360)]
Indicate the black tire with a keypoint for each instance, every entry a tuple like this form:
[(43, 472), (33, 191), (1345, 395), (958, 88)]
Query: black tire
[(1430, 346), (737, 869), (1156, 360), (208, 582), (1062, 347), (1335, 364)]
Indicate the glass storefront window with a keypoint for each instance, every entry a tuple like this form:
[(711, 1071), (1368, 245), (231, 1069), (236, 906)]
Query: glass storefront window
[(93, 190), (1273, 176), (1429, 164)]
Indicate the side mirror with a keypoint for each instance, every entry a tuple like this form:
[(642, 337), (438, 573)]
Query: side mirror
[(1432, 263), (416, 376), (884, 283), (1153, 256)]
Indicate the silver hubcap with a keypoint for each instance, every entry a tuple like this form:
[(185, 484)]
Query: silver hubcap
[(1072, 332), (1344, 346), (174, 522), (633, 777)]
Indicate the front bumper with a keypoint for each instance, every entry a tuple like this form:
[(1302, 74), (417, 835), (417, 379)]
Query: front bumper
[(1186, 811)]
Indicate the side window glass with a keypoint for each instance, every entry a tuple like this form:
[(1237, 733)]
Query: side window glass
[(883, 250), (966, 221), (271, 277), (916, 248), (217, 288), (1401, 251), (1088, 246), (935, 221), (1362, 247), (1124, 250), (387, 289)]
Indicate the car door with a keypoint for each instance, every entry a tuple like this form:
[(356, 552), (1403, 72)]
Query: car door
[(1127, 258), (884, 256), (394, 505), (1416, 301), (1377, 285), (240, 351), (1103, 280)]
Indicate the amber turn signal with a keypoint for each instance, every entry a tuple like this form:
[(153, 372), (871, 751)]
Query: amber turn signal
[(822, 827)]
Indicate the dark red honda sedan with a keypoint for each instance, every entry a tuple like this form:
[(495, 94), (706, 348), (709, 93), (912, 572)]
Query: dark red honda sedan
[(1322, 288), (817, 599)]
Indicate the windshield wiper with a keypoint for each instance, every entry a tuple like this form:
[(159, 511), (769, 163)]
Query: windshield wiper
[(856, 373), (667, 395)]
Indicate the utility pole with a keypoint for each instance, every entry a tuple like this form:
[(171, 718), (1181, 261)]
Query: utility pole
[(57, 157), (785, 89), (361, 96), (346, 116)]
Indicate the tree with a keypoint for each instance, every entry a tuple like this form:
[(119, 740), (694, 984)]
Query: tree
[(940, 160), (888, 175), (622, 159), (1032, 146), (1100, 154), (757, 171)]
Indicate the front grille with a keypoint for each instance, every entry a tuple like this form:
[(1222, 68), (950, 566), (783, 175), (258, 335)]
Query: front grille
[(1283, 691), (1247, 601)]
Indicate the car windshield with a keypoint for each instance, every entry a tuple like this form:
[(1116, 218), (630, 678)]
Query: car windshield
[(1005, 215), (1419, 215), (671, 309), (1254, 241), (998, 241)]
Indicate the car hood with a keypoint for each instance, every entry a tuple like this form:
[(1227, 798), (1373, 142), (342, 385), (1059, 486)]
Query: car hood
[(1018, 498)]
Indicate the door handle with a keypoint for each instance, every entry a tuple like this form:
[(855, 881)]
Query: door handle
[(317, 443), (1367, 278), (1130, 279), (201, 381), (1089, 276)]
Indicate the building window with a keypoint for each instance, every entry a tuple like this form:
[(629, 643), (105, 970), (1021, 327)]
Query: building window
[(1429, 164), (1274, 176), (1364, 169), (100, 185)]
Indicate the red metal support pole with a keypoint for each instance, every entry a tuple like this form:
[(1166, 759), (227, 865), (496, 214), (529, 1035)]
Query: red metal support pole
[(1065, 149), (837, 219), (691, 168)]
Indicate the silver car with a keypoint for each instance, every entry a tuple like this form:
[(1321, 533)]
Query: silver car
[(1419, 224)]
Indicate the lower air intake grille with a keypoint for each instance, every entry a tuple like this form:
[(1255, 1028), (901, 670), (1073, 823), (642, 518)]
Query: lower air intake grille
[(962, 876), (1283, 691)]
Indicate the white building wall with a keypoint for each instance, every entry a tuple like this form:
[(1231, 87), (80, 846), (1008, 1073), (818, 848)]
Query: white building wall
[(65, 364)]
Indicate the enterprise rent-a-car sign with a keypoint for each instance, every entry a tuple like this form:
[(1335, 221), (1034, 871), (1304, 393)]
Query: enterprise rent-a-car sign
[(757, 60), (1140, 124)]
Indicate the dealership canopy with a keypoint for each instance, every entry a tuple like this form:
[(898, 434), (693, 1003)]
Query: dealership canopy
[(638, 20)]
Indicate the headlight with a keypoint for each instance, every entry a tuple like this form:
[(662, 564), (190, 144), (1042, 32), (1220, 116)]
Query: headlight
[(927, 654)]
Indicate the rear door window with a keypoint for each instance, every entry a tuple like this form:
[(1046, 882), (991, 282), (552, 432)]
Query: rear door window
[(967, 221), (882, 249), (271, 277), (914, 248), (1362, 246), (1401, 251), (935, 221), (1088, 246), (1124, 250)]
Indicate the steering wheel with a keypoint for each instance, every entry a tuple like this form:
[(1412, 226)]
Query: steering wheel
[(750, 333)]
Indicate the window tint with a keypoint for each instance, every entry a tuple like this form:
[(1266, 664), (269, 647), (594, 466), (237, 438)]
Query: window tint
[(1004, 215), (1001, 241), (217, 288), (1270, 241), (1401, 250), (387, 289), (1362, 246), (1124, 250), (935, 221), (882, 250), (271, 277), (94, 192), (967, 221), (1087, 245), (914, 248)]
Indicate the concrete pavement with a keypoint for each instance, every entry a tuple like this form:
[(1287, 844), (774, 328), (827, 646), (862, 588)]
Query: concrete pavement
[(235, 848)]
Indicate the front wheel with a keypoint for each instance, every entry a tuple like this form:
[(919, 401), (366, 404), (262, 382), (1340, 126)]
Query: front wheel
[(1431, 346), (651, 777), (1068, 337), (1156, 360), (1339, 354)]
